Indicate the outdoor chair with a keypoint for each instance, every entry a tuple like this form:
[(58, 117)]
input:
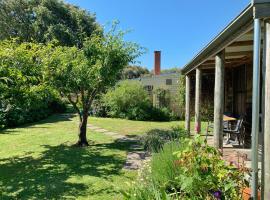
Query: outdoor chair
[(238, 130), (209, 128)]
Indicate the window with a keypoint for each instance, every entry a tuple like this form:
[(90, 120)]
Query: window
[(148, 88), (168, 81)]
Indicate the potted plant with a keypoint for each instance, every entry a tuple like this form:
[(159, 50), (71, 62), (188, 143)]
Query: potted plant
[(246, 194)]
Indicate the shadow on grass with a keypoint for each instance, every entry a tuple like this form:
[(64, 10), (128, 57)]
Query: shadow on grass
[(50, 120), (47, 177)]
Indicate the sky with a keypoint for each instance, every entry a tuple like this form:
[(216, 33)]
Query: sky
[(178, 28)]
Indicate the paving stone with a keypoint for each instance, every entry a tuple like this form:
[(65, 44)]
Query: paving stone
[(135, 157)]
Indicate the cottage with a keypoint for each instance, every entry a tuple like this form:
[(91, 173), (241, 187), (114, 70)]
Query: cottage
[(162, 88), (239, 60)]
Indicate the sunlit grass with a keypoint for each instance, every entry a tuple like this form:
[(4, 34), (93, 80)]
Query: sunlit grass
[(39, 162), (129, 127)]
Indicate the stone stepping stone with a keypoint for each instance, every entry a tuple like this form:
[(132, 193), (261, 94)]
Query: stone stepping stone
[(135, 160), (136, 157), (101, 130), (93, 127), (111, 133)]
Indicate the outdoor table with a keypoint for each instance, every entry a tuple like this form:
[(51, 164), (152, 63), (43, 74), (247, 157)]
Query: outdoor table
[(227, 118)]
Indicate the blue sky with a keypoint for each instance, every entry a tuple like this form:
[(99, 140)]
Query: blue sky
[(176, 27)]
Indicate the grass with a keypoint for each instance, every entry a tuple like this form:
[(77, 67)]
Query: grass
[(39, 162), (129, 127)]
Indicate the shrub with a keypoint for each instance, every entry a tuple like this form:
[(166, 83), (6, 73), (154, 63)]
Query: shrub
[(154, 140), (129, 100), (24, 96), (156, 172), (36, 104), (190, 170)]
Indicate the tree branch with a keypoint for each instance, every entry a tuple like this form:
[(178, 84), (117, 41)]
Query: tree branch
[(74, 104)]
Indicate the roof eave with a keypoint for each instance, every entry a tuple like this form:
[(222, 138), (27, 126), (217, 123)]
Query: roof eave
[(238, 26)]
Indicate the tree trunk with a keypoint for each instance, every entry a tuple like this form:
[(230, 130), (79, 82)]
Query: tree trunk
[(82, 142)]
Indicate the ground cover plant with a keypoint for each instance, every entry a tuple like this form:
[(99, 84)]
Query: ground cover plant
[(189, 169)]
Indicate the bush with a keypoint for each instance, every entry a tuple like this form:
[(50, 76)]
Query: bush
[(129, 100), (154, 140), (189, 169), (38, 103), (25, 97)]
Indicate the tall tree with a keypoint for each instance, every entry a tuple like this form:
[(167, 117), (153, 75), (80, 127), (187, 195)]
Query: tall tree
[(81, 74), (134, 71), (46, 20)]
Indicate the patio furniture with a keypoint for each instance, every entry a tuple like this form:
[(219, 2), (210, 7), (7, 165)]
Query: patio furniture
[(209, 128), (210, 125), (238, 130)]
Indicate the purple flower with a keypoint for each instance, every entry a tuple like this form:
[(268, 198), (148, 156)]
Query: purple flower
[(217, 194)]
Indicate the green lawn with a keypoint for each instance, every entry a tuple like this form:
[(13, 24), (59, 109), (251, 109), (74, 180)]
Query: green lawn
[(39, 162), (129, 127)]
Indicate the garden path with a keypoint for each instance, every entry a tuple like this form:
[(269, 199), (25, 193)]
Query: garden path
[(135, 156)]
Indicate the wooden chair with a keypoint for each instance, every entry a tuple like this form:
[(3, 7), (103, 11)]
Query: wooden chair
[(238, 130)]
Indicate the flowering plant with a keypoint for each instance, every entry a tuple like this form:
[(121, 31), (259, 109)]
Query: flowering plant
[(205, 174)]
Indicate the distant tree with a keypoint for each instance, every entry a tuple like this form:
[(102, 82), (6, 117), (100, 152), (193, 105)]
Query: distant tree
[(181, 97), (171, 70), (82, 74), (46, 20), (131, 72)]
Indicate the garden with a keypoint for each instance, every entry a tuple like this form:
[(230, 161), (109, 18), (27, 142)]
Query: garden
[(69, 116)]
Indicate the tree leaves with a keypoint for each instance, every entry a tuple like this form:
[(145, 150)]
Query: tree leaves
[(46, 20)]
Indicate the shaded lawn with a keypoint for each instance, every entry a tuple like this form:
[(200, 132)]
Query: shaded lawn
[(38, 162), (130, 127)]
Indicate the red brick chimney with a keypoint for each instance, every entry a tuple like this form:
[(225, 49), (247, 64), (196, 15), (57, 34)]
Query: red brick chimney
[(157, 62)]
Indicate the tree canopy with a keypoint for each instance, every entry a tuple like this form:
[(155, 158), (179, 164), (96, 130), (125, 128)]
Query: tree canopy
[(46, 20), (133, 71), (24, 96), (81, 74)]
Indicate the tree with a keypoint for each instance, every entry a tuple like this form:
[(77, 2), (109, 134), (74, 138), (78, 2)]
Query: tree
[(171, 70), (131, 72), (45, 20), (82, 74), (24, 97)]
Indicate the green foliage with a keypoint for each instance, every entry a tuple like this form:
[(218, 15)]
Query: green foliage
[(129, 100), (46, 20), (182, 96), (154, 140), (193, 170), (163, 97), (207, 111), (131, 72), (171, 70), (81, 74), (24, 97)]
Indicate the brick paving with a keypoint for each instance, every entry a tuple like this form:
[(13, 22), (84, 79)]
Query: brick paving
[(234, 154)]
